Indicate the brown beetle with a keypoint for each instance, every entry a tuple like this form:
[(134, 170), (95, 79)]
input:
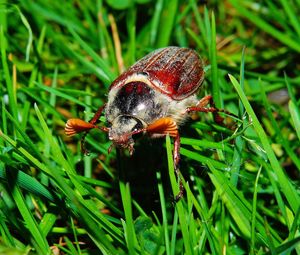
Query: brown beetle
[(154, 96)]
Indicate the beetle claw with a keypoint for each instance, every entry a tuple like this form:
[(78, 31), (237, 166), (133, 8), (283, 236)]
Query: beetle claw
[(131, 149), (110, 148), (180, 193)]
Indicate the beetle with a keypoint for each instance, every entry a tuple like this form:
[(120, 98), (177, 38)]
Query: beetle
[(154, 96)]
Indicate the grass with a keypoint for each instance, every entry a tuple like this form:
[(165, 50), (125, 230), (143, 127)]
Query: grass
[(241, 180)]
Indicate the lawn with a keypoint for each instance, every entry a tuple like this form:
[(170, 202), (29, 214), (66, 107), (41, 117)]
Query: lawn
[(241, 179)]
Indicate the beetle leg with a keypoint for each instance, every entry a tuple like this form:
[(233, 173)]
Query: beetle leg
[(97, 115), (163, 126), (201, 107), (176, 158), (166, 126), (176, 153), (93, 121), (74, 126)]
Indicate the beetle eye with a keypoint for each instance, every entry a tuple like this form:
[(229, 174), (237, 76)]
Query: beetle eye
[(138, 125)]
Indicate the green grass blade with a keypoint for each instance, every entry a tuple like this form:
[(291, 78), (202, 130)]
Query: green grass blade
[(38, 239), (102, 68), (216, 91), (30, 35), (280, 137), (179, 205), (287, 188), (239, 142), (167, 19), (198, 157), (239, 207), (164, 213), (9, 84), (253, 217), (265, 26), (292, 14), (130, 235), (295, 114), (30, 184), (155, 21), (131, 28), (48, 221)]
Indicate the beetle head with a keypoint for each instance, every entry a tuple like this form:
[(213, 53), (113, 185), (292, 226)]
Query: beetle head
[(122, 129)]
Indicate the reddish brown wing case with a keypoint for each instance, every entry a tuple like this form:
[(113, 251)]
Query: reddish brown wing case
[(176, 72)]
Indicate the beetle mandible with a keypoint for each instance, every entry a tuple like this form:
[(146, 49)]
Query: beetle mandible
[(154, 96)]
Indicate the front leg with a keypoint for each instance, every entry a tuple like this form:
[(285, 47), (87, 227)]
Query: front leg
[(93, 121), (166, 126), (75, 126), (97, 115)]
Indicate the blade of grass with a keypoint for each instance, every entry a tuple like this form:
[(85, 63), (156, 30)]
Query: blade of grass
[(295, 114), (103, 69), (30, 184), (7, 238), (131, 28), (164, 213), (38, 239), (87, 209), (199, 22), (287, 188), (79, 204), (107, 49), (205, 144), (3, 15), (287, 247), (239, 207), (75, 237), (239, 142), (202, 159), (48, 221), (167, 19), (216, 91), (280, 138), (87, 160), (129, 230), (30, 35), (253, 217), (277, 193), (72, 250), (174, 232), (48, 13), (205, 219), (282, 37), (291, 13), (155, 21), (179, 205), (4, 121), (12, 97)]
